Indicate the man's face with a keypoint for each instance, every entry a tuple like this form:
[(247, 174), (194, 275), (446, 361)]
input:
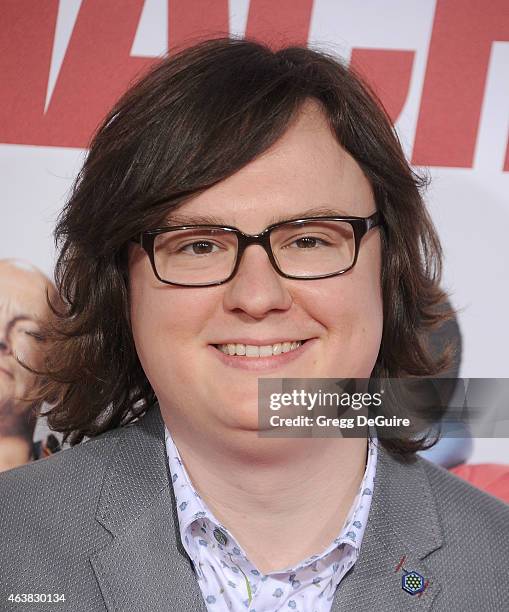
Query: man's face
[(175, 328), (22, 305)]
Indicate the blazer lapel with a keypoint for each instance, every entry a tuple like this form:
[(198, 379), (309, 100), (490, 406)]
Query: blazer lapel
[(403, 528), (145, 566)]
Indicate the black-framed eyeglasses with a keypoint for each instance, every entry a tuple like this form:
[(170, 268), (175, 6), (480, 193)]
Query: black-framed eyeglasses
[(302, 249)]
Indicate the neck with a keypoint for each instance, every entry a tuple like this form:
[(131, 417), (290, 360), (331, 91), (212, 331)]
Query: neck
[(267, 490)]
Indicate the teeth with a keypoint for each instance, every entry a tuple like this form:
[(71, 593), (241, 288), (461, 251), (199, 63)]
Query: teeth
[(252, 350), (266, 351)]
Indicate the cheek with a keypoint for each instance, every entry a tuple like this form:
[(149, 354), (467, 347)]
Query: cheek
[(24, 379), (366, 292), (167, 325), (357, 333), (351, 311), (6, 387), (353, 303)]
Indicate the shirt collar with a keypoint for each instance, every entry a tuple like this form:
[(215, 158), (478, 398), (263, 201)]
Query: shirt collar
[(191, 507)]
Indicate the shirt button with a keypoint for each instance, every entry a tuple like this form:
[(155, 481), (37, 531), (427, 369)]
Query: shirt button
[(220, 536)]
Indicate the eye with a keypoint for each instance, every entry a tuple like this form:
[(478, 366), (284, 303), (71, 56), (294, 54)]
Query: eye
[(307, 242), (199, 247), (35, 335)]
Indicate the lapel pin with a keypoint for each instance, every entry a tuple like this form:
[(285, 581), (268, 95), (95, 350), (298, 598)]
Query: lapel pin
[(412, 582)]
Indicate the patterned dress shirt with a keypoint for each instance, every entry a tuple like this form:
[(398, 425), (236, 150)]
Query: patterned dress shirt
[(229, 581)]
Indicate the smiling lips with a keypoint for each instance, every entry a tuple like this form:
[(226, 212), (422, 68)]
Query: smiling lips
[(253, 350)]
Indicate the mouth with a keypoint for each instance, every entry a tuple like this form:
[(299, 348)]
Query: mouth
[(261, 358), (255, 351)]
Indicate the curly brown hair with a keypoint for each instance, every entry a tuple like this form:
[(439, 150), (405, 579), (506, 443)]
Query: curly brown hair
[(196, 118)]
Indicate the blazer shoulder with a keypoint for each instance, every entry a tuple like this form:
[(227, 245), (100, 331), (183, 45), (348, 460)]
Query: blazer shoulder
[(461, 503), (64, 478)]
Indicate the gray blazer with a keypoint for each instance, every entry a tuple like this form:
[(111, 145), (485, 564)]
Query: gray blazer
[(98, 524)]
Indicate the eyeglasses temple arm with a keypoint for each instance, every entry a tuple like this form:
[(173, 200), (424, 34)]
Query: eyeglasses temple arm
[(374, 220)]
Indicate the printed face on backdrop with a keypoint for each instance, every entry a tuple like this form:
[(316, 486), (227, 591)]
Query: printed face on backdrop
[(22, 306), (177, 330)]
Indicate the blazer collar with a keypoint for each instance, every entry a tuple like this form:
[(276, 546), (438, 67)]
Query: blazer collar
[(145, 565)]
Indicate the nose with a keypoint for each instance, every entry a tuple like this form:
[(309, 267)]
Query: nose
[(257, 288)]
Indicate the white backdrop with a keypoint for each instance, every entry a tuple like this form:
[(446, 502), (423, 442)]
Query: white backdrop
[(469, 196)]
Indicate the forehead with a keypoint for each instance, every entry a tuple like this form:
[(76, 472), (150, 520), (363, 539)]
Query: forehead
[(22, 291), (305, 169)]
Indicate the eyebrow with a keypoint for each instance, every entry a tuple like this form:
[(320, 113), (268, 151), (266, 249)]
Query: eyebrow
[(317, 211)]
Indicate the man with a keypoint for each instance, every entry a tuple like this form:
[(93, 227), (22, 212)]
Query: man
[(242, 214), (23, 308)]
